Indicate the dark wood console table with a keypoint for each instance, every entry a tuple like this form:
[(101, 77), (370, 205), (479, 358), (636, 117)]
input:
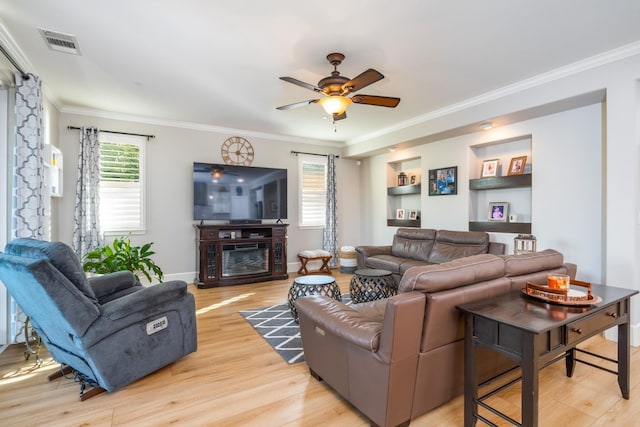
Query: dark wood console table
[(234, 254), (535, 334)]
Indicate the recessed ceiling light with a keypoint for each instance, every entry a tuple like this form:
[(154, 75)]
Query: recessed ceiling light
[(392, 149), (487, 126)]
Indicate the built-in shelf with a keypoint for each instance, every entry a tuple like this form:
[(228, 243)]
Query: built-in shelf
[(497, 182), (403, 223), (404, 190), (406, 198), (500, 227)]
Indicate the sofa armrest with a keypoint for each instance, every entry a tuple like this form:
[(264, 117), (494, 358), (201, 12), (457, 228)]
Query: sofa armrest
[(341, 320), (572, 269), (365, 252), (374, 250), (111, 283), (402, 326), (497, 248), (394, 337)]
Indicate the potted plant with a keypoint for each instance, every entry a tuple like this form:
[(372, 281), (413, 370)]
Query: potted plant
[(121, 255)]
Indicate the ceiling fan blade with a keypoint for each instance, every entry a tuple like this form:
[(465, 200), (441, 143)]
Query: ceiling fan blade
[(302, 84), (380, 101), (337, 117), (297, 105), (362, 80)]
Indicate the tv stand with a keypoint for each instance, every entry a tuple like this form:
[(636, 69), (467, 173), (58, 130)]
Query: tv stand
[(236, 254)]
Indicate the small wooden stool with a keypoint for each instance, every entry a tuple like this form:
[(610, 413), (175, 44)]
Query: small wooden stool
[(308, 255)]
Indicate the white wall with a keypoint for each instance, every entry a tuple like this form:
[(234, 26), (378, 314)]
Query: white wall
[(170, 158), (592, 159), (566, 212)]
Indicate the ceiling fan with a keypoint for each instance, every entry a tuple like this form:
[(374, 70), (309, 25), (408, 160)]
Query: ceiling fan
[(336, 90)]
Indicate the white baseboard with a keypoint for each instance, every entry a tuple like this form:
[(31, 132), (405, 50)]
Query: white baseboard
[(188, 277)]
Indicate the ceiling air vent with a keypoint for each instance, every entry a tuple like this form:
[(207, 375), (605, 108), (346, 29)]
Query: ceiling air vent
[(61, 42)]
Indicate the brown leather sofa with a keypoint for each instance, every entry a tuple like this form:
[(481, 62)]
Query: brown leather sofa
[(398, 358), (413, 247)]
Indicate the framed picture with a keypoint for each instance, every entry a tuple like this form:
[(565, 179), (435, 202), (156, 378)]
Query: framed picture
[(444, 181), (516, 165), (490, 168), (400, 214), (413, 214), (498, 211)]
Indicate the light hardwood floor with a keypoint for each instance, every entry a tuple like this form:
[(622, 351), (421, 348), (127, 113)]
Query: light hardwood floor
[(236, 379)]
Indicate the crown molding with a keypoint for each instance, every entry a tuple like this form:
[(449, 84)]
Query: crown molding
[(196, 126), (16, 53), (590, 63)]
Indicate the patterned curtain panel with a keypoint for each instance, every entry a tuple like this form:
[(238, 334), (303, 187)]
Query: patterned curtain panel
[(330, 235), (87, 234), (27, 204), (27, 219)]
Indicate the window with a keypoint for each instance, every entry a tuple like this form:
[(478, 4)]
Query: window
[(312, 175), (121, 183)]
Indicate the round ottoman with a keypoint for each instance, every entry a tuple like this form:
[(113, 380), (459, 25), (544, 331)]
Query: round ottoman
[(312, 285), (371, 284)]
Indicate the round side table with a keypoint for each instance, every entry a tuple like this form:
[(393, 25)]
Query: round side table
[(371, 284), (312, 285)]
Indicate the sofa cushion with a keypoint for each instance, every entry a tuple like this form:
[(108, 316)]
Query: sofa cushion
[(450, 245), (452, 274), (516, 265), (413, 243)]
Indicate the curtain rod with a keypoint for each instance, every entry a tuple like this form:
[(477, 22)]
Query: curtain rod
[(113, 131), (14, 63), (312, 154)]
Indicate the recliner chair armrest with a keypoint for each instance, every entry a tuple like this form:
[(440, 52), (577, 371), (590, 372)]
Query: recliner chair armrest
[(144, 300), (111, 283), (142, 306)]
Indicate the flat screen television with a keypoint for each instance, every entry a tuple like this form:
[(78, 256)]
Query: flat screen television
[(238, 193)]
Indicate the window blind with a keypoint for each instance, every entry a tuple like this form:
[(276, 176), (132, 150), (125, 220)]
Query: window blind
[(121, 183), (313, 192)]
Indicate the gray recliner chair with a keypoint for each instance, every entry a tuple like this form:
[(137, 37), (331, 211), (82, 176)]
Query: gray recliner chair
[(109, 329)]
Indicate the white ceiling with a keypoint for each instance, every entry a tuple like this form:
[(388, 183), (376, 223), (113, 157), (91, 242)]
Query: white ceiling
[(217, 63)]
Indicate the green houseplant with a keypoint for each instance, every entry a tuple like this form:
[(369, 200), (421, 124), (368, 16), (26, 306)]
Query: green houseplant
[(121, 255)]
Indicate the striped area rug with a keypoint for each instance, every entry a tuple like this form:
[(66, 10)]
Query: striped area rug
[(276, 325)]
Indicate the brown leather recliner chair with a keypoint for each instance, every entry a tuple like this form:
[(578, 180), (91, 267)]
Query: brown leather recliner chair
[(398, 358)]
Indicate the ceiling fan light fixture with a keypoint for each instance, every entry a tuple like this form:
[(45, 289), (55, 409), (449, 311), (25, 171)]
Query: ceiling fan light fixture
[(335, 104)]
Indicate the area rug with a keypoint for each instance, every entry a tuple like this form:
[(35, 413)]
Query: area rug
[(276, 325)]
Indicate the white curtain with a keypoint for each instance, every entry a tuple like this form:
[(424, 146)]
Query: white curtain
[(87, 234), (330, 235), (27, 208)]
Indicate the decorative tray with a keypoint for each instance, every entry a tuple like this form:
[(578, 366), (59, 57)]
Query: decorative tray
[(563, 296)]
